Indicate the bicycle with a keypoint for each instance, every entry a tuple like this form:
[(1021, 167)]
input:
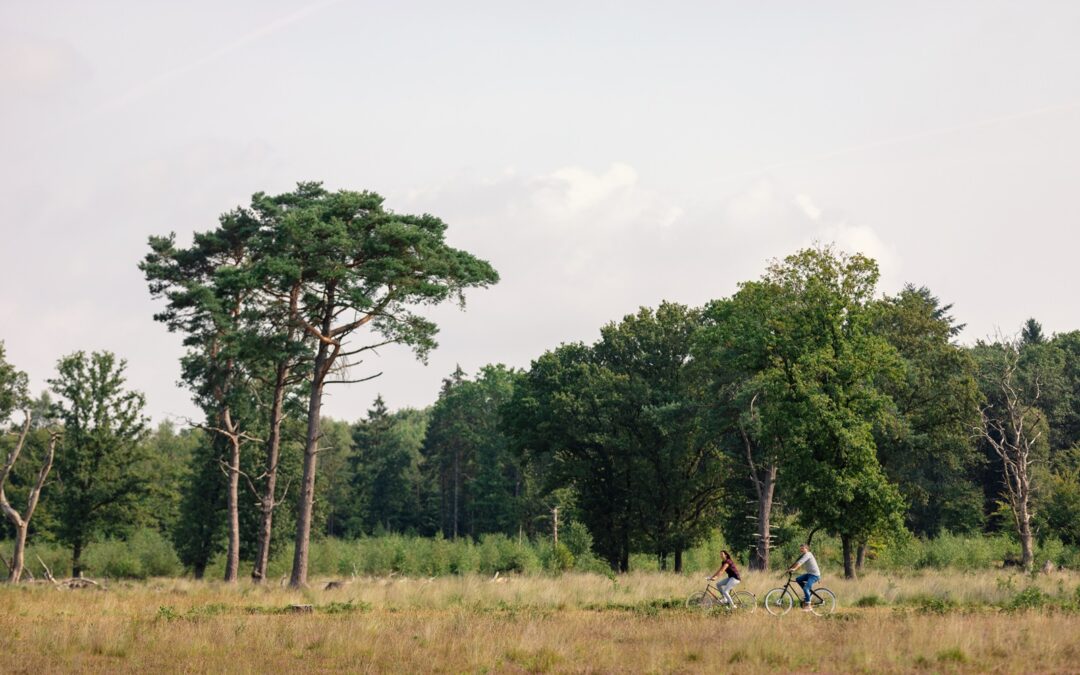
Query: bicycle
[(741, 601), (779, 601)]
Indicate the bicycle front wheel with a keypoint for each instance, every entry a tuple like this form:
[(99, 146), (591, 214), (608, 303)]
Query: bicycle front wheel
[(743, 602), (822, 601), (778, 602), (701, 600)]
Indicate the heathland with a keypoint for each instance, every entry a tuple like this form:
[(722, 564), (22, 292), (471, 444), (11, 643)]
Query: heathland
[(931, 620)]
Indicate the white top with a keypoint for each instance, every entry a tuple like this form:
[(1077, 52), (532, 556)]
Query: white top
[(810, 561)]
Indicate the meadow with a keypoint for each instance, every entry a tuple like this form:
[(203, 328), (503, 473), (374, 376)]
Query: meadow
[(929, 620)]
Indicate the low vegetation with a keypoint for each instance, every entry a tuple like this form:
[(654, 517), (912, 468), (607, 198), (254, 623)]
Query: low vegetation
[(148, 554), (934, 621)]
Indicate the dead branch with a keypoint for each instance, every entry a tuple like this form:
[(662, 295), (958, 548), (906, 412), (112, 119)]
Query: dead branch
[(48, 572)]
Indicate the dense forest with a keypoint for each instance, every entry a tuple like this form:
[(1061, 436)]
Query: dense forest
[(808, 401)]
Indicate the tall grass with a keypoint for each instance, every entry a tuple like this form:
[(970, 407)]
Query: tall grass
[(574, 623)]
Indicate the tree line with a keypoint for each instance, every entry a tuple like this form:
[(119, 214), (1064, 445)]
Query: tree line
[(804, 402)]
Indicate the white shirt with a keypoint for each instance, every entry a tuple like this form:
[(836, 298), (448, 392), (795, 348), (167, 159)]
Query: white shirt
[(811, 563)]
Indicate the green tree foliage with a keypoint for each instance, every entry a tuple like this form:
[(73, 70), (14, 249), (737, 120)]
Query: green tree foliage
[(830, 364), (104, 472), (18, 509), (171, 452), (1061, 503), (679, 472), (200, 527), (355, 264), (751, 409), (209, 289), (334, 508), (13, 388), (479, 483), (925, 445), (386, 472), (561, 418), (620, 422)]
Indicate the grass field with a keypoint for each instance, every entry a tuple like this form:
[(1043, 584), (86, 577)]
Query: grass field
[(934, 622)]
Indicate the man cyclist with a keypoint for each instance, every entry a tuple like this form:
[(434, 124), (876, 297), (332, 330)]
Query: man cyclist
[(812, 576)]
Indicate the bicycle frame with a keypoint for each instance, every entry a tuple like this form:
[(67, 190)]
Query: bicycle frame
[(740, 599), (791, 586)]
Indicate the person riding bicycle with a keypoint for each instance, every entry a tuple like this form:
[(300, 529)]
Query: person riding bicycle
[(812, 576), (733, 578)]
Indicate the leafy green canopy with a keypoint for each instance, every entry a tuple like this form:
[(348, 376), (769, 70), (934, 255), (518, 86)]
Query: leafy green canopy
[(796, 358), (104, 470)]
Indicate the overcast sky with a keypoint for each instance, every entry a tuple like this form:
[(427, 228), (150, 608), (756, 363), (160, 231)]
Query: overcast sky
[(602, 155)]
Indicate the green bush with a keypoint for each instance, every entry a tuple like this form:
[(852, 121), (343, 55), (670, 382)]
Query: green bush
[(1029, 598), (577, 538), (872, 600), (145, 554), (57, 557)]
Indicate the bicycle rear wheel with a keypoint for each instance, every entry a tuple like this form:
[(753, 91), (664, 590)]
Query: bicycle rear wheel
[(777, 602), (701, 600), (822, 601), (744, 602)]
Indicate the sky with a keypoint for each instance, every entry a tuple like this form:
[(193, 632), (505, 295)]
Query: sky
[(603, 156)]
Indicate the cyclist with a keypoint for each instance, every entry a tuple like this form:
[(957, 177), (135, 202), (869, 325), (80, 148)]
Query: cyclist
[(812, 576), (733, 578)]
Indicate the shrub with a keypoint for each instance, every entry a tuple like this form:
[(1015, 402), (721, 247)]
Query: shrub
[(577, 539), (145, 554), (562, 558), (1029, 598), (57, 557), (872, 600)]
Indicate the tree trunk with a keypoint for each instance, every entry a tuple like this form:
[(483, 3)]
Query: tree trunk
[(678, 561), (860, 556), (232, 558), (22, 521), (18, 558), (76, 559), (1027, 554), (849, 560), (457, 487), (311, 457), (760, 560), (273, 453), (199, 569), (662, 557)]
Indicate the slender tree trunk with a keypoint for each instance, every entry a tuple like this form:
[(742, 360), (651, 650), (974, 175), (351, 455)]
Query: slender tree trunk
[(76, 559), (457, 487), (311, 457), (1027, 554), (199, 569), (18, 558), (232, 559), (849, 558), (273, 453), (678, 560), (663, 561), (764, 519), (860, 556)]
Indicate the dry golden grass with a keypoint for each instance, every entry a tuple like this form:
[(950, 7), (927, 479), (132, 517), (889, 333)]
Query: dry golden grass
[(576, 623)]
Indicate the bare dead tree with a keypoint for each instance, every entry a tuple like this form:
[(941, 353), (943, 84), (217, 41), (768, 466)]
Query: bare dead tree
[(1012, 429), (21, 521), (231, 431)]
